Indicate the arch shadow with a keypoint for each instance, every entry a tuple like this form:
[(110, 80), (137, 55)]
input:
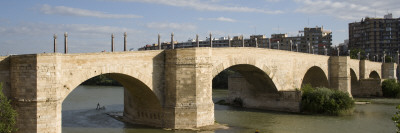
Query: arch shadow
[(141, 105), (315, 76), (374, 75)]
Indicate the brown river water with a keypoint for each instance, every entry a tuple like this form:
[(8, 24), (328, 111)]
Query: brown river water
[(79, 115)]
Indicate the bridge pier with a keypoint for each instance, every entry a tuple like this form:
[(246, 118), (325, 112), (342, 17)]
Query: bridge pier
[(35, 94), (339, 73), (188, 88)]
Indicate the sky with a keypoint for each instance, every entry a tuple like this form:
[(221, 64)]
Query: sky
[(28, 26)]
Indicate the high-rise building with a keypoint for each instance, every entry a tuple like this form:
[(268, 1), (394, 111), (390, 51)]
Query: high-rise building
[(376, 35), (315, 39), (318, 38)]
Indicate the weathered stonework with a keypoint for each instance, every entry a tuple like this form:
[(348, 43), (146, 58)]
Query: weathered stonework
[(171, 88)]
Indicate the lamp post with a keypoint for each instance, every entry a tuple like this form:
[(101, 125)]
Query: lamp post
[(291, 45)]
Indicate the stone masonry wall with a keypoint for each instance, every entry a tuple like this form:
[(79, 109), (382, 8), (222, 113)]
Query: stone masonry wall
[(238, 87), (368, 88), (5, 75)]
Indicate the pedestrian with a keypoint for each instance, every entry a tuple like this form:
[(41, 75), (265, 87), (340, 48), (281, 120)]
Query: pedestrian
[(257, 131), (98, 106)]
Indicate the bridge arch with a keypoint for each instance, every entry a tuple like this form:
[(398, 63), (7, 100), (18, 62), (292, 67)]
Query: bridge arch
[(241, 65), (141, 104), (316, 77), (374, 75), (255, 76)]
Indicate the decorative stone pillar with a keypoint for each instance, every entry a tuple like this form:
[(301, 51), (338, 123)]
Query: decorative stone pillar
[(358, 55), (65, 42), (55, 43), (197, 41), (172, 40), (229, 41), (125, 35), (269, 43), (159, 42), (309, 48), (242, 41), (112, 42), (338, 51), (255, 39), (297, 48), (278, 44), (211, 45)]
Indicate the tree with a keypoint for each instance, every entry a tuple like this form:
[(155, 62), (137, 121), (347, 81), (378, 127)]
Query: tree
[(7, 114), (354, 52), (396, 119)]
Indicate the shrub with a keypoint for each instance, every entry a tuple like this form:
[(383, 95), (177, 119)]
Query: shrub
[(324, 100), (396, 119), (7, 114), (390, 88)]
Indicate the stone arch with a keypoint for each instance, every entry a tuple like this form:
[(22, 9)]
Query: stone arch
[(374, 75), (316, 77), (255, 76), (141, 105), (246, 63)]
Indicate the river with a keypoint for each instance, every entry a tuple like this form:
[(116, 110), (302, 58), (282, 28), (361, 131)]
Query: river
[(80, 116)]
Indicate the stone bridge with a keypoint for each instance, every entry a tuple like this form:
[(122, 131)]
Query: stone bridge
[(173, 88)]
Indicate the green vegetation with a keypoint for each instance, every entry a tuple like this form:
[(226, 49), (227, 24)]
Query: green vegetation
[(390, 88), (101, 80), (388, 59), (353, 54), (325, 101), (396, 119), (221, 80), (7, 114)]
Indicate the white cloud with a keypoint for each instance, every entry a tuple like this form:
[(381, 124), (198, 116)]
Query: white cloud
[(69, 11), (38, 29), (273, 0), (174, 26), (206, 6), (223, 19), (348, 10)]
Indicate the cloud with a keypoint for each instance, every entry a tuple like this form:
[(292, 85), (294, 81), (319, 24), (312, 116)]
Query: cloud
[(206, 6), (69, 11), (348, 10), (38, 29), (174, 26), (223, 19)]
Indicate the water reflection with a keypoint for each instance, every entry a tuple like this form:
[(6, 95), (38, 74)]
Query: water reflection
[(80, 115)]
